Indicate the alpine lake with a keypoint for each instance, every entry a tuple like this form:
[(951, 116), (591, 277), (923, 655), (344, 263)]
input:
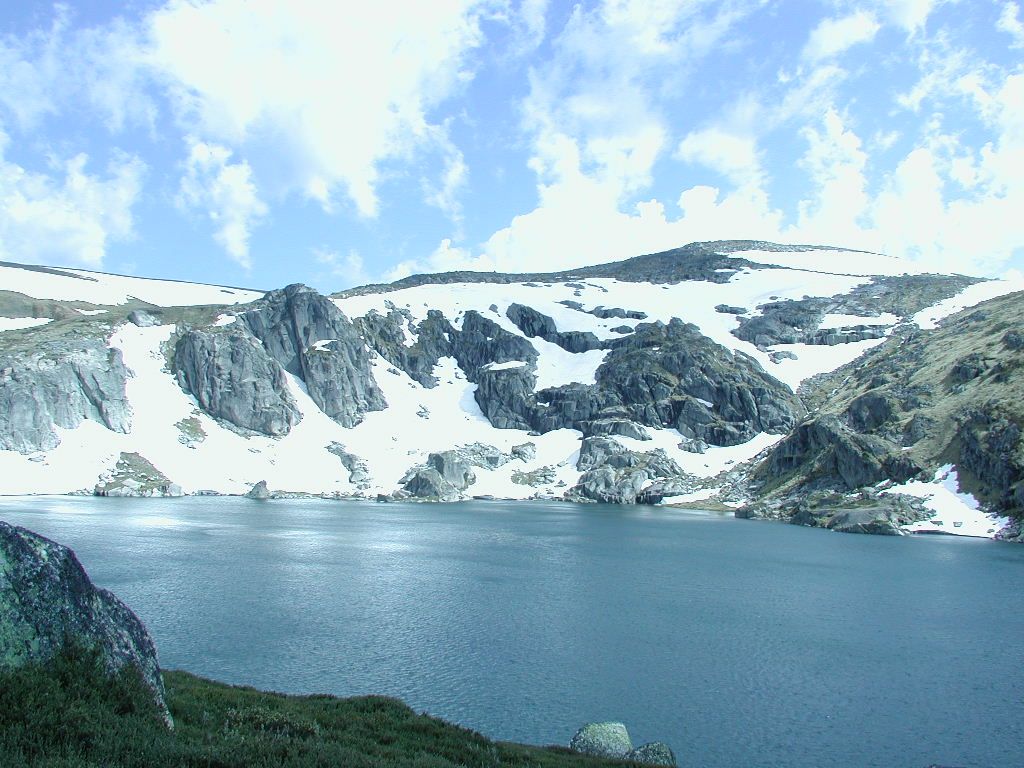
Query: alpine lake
[(739, 643)]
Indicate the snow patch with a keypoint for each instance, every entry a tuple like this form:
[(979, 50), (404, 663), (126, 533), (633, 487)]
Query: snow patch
[(975, 294), (18, 323), (956, 512)]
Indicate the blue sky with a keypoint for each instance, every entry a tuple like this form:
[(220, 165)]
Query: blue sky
[(262, 142)]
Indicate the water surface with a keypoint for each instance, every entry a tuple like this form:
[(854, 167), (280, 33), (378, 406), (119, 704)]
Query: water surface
[(740, 643)]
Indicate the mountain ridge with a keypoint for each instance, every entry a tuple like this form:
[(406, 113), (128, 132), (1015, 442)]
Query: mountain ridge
[(649, 379)]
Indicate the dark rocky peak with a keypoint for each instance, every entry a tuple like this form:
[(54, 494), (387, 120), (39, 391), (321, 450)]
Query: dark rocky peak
[(47, 600), (312, 339), (433, 334)]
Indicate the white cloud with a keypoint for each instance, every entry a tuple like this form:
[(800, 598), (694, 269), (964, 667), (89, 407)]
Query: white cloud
[(226, 193), (348, 268), (335, 90), (835, 162), (912, 15), (735, 157), (445, 196), (834, 36), (1010, 23), (69, 215)]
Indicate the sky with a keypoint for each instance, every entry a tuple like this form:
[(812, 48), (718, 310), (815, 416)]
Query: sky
[(263, 142)]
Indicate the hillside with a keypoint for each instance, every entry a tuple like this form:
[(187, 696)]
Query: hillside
[(647, 380)]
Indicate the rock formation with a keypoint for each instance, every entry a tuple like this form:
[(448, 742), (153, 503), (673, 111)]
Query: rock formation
[(46, 600)]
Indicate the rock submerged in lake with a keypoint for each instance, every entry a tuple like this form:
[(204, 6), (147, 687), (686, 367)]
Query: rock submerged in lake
[(47, 600)]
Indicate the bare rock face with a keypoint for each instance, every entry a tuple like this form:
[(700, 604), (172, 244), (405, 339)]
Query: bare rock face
[(60, 384), (312, 339), (234, 379), (46, 599)]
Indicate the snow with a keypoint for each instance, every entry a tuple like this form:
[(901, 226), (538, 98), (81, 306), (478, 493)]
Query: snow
[(323, 344), (503, 366), (714, 460), (556, 367), (990, 289), (701, 495), (812, 359), (17, 323), (223, 320), (100, 288), (836, 262), (956, 512), (91, 311)]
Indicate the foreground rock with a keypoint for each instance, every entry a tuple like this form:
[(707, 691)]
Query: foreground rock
[(46, 600), (655, 753), (602, 740)]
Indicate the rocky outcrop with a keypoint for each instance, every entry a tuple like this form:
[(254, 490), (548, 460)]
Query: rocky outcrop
[(358, 469), (60, 383), (621, 427), (234, 379), (47, 600), (312, 339), (259, 491), (613, 474), (447, 474), (134, 476), (825, 448), (602, 740), (536, 324)]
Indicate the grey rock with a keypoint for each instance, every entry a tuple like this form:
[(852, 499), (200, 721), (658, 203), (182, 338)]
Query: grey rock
[(144, 318), (825, 447), (312, 339), (234, 379), (259, 491), (453, 467), (653, 753), (613, 474), (359, 470), (134, 476), (535, 324), (524, 451), (729, 309), (46, 599), (602, 740), (871, 520), (622, 427), (60, 384)]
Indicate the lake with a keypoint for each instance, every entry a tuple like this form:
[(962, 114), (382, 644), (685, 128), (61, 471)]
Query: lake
[(740, 643)]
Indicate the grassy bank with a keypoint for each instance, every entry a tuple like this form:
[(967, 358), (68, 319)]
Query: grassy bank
[(70, 714)]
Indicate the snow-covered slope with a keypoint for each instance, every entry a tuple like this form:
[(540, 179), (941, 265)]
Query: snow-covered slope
[(744, 301), (103, 289)]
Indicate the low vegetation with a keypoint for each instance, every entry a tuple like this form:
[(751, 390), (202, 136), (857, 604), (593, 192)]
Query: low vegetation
[(70, 714)]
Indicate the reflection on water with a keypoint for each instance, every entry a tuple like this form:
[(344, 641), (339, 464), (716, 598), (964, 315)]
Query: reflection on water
[(739, 643)]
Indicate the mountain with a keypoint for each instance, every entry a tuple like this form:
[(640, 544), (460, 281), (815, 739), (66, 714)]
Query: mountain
[(755, 375)]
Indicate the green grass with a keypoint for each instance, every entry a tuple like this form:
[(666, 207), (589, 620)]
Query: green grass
[(70, 714)]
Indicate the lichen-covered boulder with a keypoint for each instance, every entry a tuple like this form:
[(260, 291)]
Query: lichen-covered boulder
[(654, 753), (46, 600), (602, 740)]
